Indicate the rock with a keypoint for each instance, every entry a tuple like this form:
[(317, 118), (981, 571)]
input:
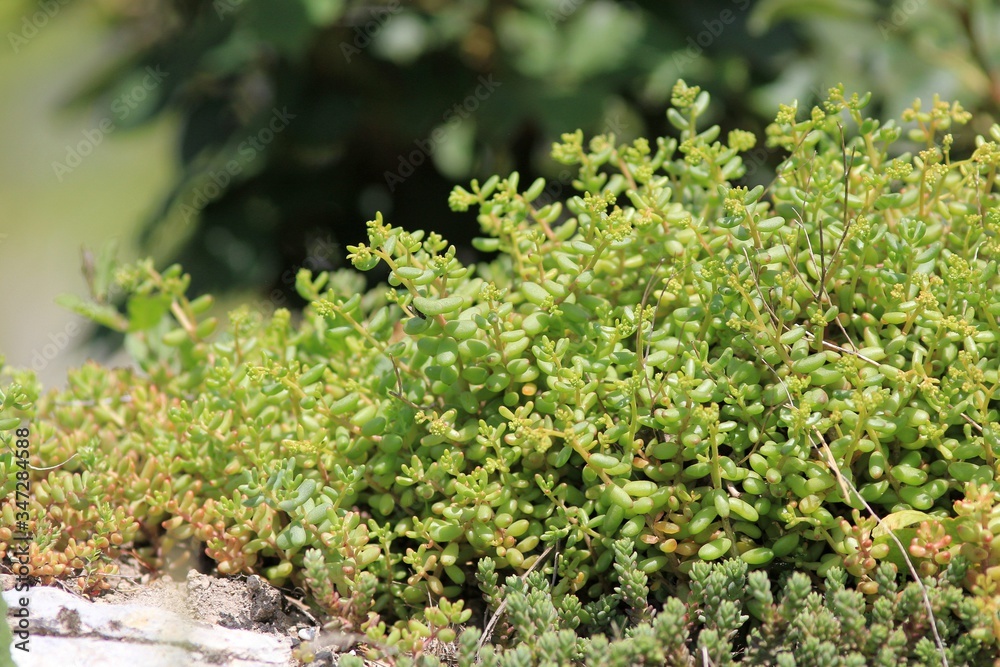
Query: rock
[(70, 631), (265, 600), (250, 604)]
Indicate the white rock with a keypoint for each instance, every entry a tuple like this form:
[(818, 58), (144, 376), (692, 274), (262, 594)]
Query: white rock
[(67, 631)]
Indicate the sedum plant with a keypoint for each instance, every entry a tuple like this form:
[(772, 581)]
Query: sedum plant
[(783, 375), (728, 616)]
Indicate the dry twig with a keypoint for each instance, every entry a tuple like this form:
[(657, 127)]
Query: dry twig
[(503, 605)]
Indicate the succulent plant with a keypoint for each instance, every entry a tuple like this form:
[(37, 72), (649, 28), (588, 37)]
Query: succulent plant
[(733, 617), (778, 375)]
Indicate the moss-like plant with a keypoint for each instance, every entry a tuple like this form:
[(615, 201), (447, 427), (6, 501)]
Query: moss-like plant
[(729, 616), (707, 370)]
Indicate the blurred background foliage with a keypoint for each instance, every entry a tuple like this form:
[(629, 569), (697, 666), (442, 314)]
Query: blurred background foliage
[(369, 86), (386, 104)]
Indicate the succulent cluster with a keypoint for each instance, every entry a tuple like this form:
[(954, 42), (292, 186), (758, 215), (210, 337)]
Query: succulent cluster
[(729, 616), (779, 375)]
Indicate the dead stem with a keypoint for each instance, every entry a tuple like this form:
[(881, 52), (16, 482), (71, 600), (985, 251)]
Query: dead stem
[(503, 605)]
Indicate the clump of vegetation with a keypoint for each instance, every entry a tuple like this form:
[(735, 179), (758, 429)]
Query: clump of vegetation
[(782, 375), (728, 616)]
